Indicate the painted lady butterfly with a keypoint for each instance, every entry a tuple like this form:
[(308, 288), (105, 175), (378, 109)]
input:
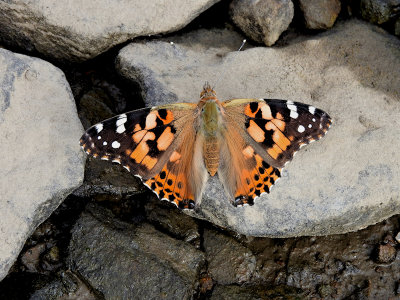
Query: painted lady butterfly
[(173, 148)]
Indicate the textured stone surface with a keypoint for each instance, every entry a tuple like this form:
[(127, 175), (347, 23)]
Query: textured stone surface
[(262, 20), (80, 30), (320, 14), (342, 183), (228, 261), (124, 261), (379, 11), (41, 162)]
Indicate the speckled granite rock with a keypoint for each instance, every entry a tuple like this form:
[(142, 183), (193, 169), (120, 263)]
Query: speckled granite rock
[(342, 183), (79, 30), (41, 162)]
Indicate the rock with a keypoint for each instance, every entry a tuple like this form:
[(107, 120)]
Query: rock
[(30, 258), (335, 185), (132, 262), (398, 237), (320, 14), (256, 292), (77, 31), (171, 220), (262, 20), (379, 11), (68, 286), (41, 161), (397, 27), (386, 254), (228, 261)]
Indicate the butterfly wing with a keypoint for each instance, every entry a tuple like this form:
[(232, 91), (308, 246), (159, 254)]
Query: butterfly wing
[(267, 133), (155, 144)]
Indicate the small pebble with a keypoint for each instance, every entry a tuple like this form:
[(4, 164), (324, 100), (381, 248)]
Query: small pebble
[(386, 253)]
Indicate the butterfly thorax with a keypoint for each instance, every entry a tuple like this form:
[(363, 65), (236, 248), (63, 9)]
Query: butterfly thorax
[(211, 128)]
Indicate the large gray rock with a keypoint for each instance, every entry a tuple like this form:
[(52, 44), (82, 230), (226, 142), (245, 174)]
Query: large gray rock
[(124, 261), (262, 20), (79, 30), (41, 162), (348, 180)]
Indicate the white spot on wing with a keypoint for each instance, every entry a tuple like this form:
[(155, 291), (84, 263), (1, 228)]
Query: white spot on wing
[(99, 127), (115, 145), (313, 119), (120, 128), (104, 143), (301, 128), (309, 125), (294, 114), (121, 120), (311, 109), (99, 137)]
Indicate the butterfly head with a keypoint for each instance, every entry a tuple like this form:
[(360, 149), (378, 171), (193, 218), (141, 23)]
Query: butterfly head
[(208, 93)]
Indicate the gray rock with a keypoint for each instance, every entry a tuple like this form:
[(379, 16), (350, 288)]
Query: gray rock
[(262, 20), (79, 30), (397, 27), (320, 14), (263, 292), (344, 182), (41, 162), (124, 261), (228, 261), (68, 287), (379, 11)]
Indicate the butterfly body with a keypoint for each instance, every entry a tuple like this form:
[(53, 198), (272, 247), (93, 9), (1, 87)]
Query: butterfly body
[(175, 148)]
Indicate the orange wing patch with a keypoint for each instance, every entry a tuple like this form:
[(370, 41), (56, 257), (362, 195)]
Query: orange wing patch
[(172, 185), (255, 181)]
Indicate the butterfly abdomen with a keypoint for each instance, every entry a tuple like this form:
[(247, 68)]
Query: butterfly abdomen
[(211, 151)]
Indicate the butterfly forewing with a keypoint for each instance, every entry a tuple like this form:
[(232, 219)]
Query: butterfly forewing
[(279, 127)]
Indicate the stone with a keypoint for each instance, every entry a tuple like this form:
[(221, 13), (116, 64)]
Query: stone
[(320, 14), (228, 261), (386, 253), (124, 261), (335, 185), (228, 292), (41, 160), (397, 27), (379, 11), (262, 20), (80, 30), (67, 286)]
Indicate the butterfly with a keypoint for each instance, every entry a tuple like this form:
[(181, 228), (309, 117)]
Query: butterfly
[(174, 148)]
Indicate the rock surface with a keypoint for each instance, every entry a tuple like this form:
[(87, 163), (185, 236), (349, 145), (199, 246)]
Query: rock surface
[(228, 261), (320, 14), (79, 30), (124, 261), (41, 161), (262, 20), (380, 11), (342, 183)]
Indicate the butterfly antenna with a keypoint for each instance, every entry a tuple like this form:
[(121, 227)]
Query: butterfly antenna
[(223, 72)]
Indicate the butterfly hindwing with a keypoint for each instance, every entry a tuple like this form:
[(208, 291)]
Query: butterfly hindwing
[(243, 172), (153, 144)]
